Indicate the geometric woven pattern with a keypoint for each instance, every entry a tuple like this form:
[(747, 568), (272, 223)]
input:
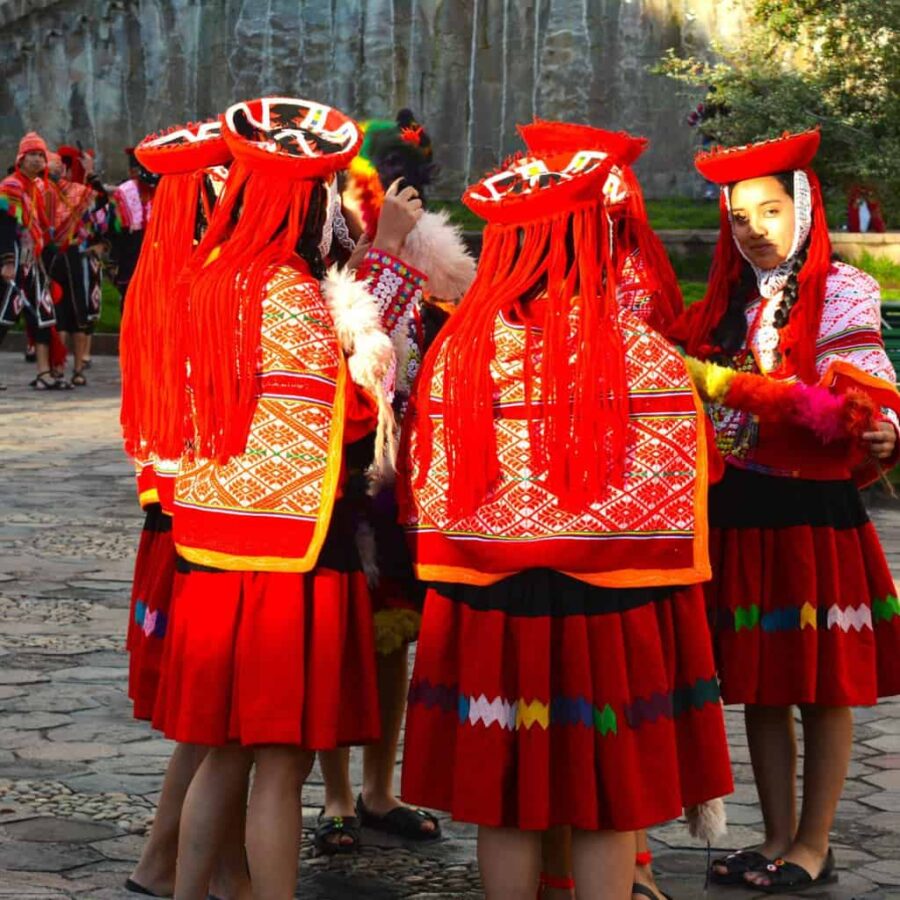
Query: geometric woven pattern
[(851, 324), (283, 465), (514, 715), (657, 497)]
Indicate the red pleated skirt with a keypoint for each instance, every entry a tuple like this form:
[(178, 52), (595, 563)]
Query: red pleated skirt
[(270, 658), (542, 701), (151, 596), (803, 603)]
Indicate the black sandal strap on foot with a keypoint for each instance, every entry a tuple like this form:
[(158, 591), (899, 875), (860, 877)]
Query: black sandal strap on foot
[(136, 888), (789, 878), (78, 379), (402, 821), (737, 865), (342, 826), (642, 890)]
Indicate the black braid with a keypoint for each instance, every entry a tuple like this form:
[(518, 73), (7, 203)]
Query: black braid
[(731, 331), (790, 294), (308, 245)]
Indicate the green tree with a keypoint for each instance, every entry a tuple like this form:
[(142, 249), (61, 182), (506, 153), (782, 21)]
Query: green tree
[(833, 63)]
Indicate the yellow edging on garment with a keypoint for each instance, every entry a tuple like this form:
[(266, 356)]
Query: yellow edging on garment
[(330, 483)]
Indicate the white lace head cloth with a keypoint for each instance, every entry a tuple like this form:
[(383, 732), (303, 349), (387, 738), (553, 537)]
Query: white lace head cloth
[(772, 281)]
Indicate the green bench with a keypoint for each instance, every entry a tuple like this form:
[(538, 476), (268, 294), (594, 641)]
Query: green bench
[(890, 330)]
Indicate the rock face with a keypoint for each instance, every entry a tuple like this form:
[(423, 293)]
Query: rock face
[(106, 72)]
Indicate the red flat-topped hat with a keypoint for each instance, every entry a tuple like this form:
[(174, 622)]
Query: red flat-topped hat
[(542, 136), (291, 137), (529, 188), (726, 165), (184, 148)]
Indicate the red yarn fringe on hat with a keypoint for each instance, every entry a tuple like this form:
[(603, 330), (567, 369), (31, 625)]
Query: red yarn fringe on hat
[(798, 337), (579, 438), (225, 292), (151, 353), (656, 268)]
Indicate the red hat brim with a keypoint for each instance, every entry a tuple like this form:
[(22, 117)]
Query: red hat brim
[(726, 165), (184, 148), (537, 187), (542, 136), (291, 137)]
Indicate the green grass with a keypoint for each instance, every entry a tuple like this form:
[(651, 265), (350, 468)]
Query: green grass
[(110, 310), (683, 213), (885, 272)]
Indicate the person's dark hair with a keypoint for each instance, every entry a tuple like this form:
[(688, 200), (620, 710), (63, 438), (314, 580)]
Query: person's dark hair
[(311, 236), (731, 332)]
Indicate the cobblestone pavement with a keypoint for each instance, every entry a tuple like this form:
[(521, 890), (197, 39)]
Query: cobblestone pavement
[(78, 776)]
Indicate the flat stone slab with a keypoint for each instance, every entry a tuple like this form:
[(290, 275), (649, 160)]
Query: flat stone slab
[(32, 856), (72, 751), (50, 830)]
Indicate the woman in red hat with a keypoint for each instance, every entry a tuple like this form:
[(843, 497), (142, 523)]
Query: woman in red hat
[(648, 288), (270, 655), (554, 497), (24, 230), (803, 401)]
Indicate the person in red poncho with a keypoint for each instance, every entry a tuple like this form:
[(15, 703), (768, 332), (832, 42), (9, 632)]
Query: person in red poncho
[(553, 491), (270, 651), (24, 285), (788, 354), (647, 287)]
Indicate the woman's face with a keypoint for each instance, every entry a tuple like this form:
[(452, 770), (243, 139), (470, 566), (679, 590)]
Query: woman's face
[(762, 213), (33, 163)]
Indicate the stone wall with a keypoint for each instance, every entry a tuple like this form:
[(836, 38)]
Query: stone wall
[(105, 72)]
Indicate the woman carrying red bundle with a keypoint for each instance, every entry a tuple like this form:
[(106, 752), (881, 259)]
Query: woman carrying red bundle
[(555, 499), (804, 605)]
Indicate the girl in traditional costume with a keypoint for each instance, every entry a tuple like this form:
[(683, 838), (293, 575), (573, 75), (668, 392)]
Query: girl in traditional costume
[(190, 161), (434, 253), (270, 652), (647, 287), (802, 396), (555, 501)]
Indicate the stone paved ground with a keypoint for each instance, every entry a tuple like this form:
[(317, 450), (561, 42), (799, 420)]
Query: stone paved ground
[(78, 776)]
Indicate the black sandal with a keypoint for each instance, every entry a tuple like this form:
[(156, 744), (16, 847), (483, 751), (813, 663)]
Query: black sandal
[(642, 890), (328, 826), (135, 888), (78, 379), (403, 821), (789, 878), (42, 383), (738, 864)]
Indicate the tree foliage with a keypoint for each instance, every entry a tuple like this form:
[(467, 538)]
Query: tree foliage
[(833, 63)]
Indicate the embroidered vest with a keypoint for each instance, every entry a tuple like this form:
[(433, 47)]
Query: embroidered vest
[(650, 531), (269, 508)]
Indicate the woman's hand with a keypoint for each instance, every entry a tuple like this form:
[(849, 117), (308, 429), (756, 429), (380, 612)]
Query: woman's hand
[(881, 442), (8, 271), (399, 214)]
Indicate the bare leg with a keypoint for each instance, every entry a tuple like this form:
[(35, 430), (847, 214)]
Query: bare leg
[(510, 863), (42, 355), (79, 349), (274, 820), (379, 759), (155, 869), (218, 788), (828, 743), (556, 861), (230, 879), (603, 864), (773, 753), (643, 874), (335, 766)]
